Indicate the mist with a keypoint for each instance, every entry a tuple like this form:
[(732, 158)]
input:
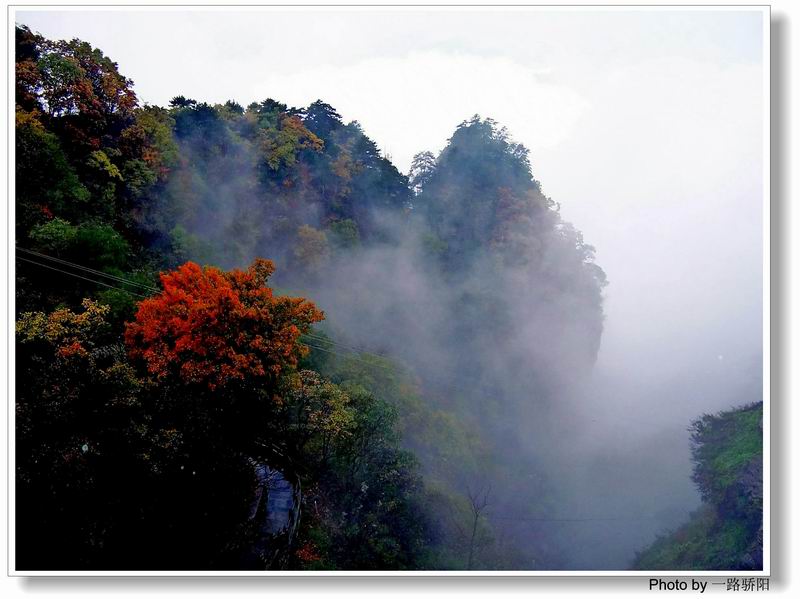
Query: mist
[(598, 421), (600, 427)]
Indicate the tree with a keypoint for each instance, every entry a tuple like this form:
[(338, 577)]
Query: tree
[(233, 107), (423, 165), (182, 102), (365, 508), (80, 436), (46, 183), (344, 233), (115, 471), (88, 156), (478, 502), (312, 250), (317, 417), (26, 55), (282, 145), (322, 119), (150, 140), (210, 327), (75, 86), (217, 351)]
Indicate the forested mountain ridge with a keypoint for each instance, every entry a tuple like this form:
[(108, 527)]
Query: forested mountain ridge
[(457, 306)]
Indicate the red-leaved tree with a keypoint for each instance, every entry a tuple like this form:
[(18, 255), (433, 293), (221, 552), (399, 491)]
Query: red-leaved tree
[(211, 327)]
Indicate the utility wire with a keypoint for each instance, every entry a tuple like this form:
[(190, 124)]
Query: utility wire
[(317, 338), (87, 269), (90, 270), (351, 357), (332, 342), (515, 519), (72, 274)]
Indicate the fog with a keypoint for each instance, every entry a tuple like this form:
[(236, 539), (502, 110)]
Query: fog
[(645, 128), (676, 216)]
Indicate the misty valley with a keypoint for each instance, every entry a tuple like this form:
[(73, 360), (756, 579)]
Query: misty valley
[(246, 341)]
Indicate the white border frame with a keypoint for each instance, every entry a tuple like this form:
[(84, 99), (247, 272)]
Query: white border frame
[(765, 11)]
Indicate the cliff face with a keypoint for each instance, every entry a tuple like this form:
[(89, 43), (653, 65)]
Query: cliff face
[(726, 533)]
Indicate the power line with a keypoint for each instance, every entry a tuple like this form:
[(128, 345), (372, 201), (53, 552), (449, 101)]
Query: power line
[(332, 342), (517, 519), (90, 270), (87, 269), (384, 366), (72, 274), (308, 335), (119, 279)]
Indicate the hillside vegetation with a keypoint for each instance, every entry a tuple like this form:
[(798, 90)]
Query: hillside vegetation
[(202, 290), (726, 533)]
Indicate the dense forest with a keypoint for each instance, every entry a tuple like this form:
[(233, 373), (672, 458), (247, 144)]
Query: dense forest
[(220, 305)]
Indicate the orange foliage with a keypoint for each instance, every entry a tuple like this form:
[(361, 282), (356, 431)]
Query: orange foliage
[(308, 553), (212, 327), (73, 349)]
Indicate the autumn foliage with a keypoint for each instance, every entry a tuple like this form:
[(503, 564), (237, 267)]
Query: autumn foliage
[(212, 327)]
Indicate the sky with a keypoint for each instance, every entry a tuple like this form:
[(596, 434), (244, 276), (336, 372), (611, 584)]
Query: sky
[(646, 126)]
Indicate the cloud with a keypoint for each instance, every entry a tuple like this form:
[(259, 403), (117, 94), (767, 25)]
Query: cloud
[(430, 93), (664, 176)]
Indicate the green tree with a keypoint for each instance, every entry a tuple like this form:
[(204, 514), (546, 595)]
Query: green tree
[(46, 184), (312, 250)]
